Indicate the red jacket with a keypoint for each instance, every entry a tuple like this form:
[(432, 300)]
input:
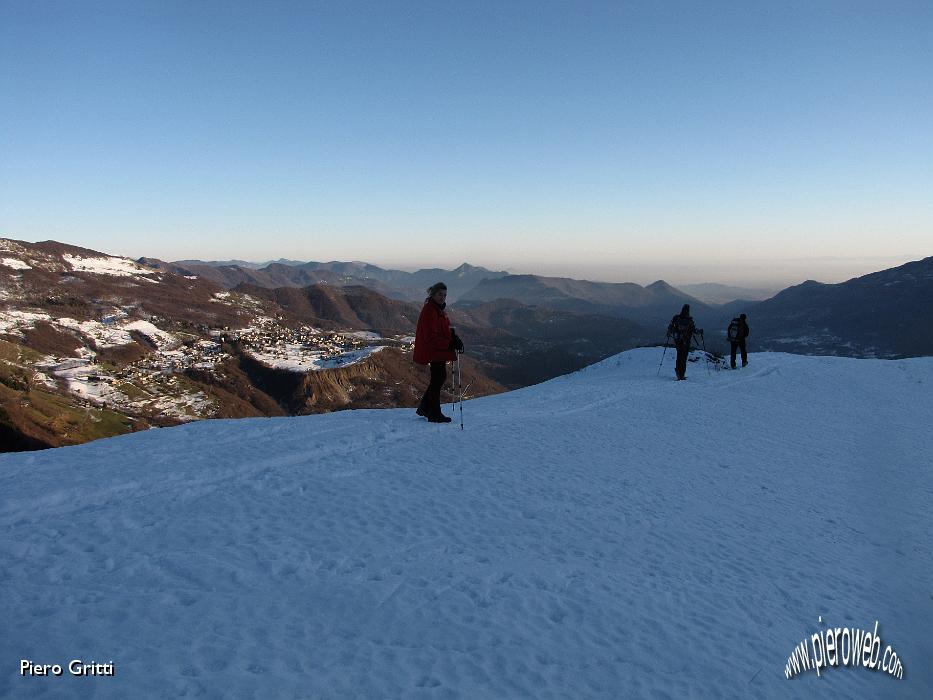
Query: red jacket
[(432, 338)]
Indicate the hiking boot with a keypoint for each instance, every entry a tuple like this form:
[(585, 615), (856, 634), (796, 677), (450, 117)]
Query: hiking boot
[(421, 411), (439, 418)]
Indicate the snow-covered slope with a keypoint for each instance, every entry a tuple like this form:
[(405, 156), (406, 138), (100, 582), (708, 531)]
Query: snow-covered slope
[(610, 533)]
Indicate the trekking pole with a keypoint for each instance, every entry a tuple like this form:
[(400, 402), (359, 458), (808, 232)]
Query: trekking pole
[(453, 384), (666, 339), (453, 387), (460, 387)]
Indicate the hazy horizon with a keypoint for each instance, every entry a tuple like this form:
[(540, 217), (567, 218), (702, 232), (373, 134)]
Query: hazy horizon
[(773, 274), (761, 273)]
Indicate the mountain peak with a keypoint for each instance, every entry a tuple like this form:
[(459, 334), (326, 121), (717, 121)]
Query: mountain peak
[(467, 269)]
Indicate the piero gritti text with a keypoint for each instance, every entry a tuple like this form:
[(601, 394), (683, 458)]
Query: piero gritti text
[(75, 667)]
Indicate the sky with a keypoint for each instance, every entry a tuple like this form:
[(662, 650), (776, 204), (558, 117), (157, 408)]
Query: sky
[(748, 142)]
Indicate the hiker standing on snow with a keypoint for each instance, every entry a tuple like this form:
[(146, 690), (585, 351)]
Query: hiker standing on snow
[(737, 333), (681, 330), (435, 344)]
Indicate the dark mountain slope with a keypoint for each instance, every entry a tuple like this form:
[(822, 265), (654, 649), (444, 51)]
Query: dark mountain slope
[(653, 304), (884, 314)]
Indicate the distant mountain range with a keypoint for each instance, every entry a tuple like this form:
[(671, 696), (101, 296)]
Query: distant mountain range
[(466, 283), (239, 263), (713, 293), (883, 314), (653, 304), (395, 284), (94, 345)]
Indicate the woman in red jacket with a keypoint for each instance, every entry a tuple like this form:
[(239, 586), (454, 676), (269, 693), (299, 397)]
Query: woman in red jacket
[(435, 344)]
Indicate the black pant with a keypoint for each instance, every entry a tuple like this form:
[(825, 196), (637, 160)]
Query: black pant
[(739, 345), (431, 401), (683, 349)]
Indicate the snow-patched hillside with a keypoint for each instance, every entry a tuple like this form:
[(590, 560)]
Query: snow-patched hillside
[(610, 533)]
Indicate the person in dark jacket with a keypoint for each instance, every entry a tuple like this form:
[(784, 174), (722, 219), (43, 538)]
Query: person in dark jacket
[(681, 330), (435, 345), (737, 333)]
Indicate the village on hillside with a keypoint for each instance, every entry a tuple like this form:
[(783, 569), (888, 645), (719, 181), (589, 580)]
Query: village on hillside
[(156, 384)]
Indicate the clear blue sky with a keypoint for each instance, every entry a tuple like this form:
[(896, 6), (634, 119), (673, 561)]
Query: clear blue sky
[(561, 137)]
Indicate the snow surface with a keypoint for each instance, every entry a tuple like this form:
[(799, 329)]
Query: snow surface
[(104, 335), (161, 339), (82, 377), (351, 357), (44, 380), (17, 321), (611, 533), (296, 357), (362, 335), (15, 264), (111, 333), (107, 265)]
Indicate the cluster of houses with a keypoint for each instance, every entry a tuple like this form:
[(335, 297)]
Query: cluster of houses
[(154, 382), (305, 348)]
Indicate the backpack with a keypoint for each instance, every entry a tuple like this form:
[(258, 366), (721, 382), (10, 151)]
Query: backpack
[(681, 329), (735, 331)]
